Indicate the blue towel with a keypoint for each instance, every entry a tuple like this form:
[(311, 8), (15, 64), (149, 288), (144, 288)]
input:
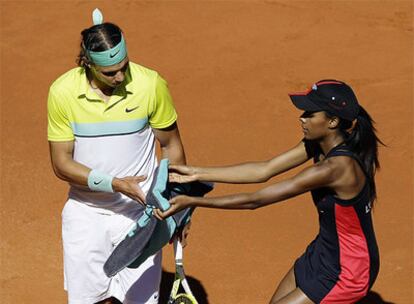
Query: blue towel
[(149, 235)]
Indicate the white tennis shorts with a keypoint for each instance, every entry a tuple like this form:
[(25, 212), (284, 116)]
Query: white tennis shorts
[(89, 236)]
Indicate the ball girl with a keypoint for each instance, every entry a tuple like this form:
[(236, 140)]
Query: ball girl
[(342, 263)]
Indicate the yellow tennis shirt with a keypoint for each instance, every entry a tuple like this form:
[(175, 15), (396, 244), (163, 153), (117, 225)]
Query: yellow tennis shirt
[(114, 137)]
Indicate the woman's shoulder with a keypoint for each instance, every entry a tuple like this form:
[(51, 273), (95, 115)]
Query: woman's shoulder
[(345, 170)]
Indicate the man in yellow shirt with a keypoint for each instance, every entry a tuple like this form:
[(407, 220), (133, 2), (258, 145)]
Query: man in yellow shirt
[(104, 118)]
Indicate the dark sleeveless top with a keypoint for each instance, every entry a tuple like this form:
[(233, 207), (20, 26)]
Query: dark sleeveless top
[(342, 263)]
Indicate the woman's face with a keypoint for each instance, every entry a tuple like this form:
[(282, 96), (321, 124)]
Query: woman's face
[(112, 76), (315, 125)]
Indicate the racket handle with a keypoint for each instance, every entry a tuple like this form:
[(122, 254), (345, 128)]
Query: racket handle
[(178, 251)]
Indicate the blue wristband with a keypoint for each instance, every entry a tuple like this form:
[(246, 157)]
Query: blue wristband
[(99, 181)]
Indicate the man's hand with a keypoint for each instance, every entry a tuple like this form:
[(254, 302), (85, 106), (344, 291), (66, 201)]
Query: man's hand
[(129, 186), (181, 174)]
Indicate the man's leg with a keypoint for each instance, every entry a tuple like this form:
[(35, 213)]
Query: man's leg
[(86, 245), (135, 285)]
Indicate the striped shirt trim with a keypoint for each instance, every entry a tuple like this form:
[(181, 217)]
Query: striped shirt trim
[(108, 128)]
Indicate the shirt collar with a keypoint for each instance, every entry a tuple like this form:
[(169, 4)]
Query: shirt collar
[(85, 90)]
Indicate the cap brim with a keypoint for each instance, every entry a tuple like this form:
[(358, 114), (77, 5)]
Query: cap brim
[(303, 102)]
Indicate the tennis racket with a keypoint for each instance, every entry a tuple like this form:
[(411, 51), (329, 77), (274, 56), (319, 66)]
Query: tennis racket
[(180, 298)]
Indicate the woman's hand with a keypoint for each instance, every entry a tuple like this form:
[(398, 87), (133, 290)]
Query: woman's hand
[(177, 204), (182, 174)]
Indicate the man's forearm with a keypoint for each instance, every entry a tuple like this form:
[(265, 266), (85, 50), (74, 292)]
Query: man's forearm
[(72, 172)]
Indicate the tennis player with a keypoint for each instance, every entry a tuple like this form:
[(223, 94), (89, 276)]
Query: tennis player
[(104, 119)]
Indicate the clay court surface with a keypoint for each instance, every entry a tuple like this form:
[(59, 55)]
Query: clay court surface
[(229, 66)]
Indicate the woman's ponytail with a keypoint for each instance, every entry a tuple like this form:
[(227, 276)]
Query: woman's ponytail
[(363, 141)]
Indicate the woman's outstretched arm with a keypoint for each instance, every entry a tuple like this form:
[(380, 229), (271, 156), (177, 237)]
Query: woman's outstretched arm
[(249, 172), (319, 175)]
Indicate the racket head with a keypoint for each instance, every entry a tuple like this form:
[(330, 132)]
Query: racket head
[(184, 298), (174, 289)]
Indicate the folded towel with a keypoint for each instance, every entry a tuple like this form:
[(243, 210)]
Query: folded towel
[(149, 235)]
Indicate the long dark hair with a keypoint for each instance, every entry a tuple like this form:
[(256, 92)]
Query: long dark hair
[(97, 38), (363, 141)]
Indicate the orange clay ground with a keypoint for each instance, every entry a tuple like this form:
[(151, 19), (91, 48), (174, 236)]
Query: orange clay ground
[(229, 66)]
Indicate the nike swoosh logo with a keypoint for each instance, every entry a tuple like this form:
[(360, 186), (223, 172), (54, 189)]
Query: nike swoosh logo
[(130, 110), (113, 55), (97, 183)]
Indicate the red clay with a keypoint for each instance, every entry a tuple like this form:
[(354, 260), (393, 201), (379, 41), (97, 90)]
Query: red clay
[(230, 66)]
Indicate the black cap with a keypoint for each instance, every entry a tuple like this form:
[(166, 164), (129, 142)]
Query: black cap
[(333, 96)]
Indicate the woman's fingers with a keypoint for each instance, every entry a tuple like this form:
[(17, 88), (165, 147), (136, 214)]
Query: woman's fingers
[(181, 169), (177, 178), (175, 168), (173, 177), (176, 204), (162, 215), (181, 174), (158, 214)]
